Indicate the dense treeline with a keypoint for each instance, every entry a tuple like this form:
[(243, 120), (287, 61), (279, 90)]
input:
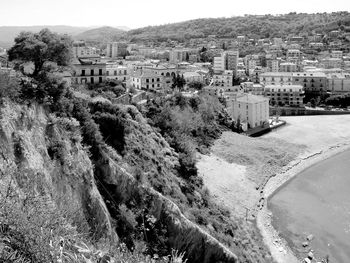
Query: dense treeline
[(252, 26), (342, 101)]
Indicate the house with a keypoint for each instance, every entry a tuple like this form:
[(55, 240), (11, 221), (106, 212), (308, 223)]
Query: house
[(250, 109), (88, 71)]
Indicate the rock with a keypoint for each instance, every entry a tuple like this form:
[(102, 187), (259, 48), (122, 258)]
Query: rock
[(305, 244), (310, 237)]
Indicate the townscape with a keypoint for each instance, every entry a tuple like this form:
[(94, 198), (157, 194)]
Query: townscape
[(137, 146)]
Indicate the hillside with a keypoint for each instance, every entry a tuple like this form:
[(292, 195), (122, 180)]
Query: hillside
[(253, 26), (101, 35), (8, 33), (112, 178)]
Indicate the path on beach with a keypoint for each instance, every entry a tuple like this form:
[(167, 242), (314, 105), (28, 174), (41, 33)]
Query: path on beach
[(238, 164)]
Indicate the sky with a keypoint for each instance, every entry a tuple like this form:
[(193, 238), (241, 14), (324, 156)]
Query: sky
[(140, 13)]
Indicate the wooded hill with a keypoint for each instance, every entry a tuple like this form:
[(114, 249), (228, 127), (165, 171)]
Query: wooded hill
[(253, 26)]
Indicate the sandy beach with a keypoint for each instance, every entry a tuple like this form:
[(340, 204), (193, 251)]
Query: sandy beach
[(243, 172)]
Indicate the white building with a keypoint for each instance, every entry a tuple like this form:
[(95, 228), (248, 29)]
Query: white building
[(117, 72), (250, 109), (219, 64)]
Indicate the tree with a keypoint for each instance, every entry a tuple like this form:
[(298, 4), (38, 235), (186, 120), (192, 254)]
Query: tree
[(40, 48), (178, 82)]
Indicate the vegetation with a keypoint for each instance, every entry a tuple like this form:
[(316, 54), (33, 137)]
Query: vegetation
[(253, 26), (40, 48), (120, 133), (342, 101)]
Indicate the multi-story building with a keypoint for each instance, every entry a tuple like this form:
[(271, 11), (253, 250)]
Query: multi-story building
[(294, 54), (193, 77), (116, 49), (147, 81), (338, 83), (273, 65), (227, 61), (314, 83), (219, 64), (337, 54), (223, 79), (167, 72), (252, 88), (332, 63), (276, 78), (291, 95), (80, 50), (179, 55), (117, 72), (231, 61), (288, 67), (87, 71), (250, 109)]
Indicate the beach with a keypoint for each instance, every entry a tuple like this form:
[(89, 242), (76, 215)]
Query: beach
[(254, 168)]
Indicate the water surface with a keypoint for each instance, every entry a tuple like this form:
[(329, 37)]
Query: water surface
[(317, 202)]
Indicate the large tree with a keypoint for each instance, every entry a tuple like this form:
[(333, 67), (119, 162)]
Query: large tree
[(40, 48)]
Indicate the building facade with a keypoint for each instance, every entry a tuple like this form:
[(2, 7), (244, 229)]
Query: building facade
[(250, 109), (90, 72), (290, 95), (116, 49)]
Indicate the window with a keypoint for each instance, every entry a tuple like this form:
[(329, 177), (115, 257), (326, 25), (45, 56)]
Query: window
[(92, 80), (125, 72), (147, 80), (115, 73), (158, 79), (92, 72), (100, 72), (100, 79), (83, 72), (107, 73)]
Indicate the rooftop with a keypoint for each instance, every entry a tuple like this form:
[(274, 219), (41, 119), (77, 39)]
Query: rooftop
[(249, 98)]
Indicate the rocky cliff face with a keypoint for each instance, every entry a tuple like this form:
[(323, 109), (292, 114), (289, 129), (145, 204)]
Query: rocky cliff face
[(41, 155)]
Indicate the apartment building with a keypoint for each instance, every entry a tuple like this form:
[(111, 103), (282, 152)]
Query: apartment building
[(80, 50), (291, 95), (338, 83), (294, 54), (288, 67), (116, 49), (314, 83), (276, 78)]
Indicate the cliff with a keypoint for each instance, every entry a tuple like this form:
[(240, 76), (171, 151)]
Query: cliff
[(30, 141)]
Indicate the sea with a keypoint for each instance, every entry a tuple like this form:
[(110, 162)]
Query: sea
[(316, 204)]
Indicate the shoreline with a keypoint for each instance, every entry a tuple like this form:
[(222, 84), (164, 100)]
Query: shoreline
[(279, 248)]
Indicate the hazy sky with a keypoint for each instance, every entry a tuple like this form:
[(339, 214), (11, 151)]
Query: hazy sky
[(139, 13)]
